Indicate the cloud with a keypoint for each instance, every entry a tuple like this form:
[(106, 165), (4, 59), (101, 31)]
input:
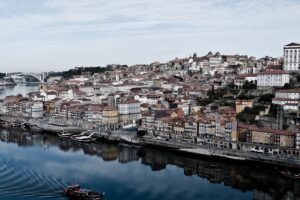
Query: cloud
[(166, 26)]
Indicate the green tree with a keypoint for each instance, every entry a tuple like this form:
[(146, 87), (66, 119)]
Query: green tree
[(266, 98), (249, 85)]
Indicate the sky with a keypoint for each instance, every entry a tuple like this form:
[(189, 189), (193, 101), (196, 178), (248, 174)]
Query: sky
[(55, 35)]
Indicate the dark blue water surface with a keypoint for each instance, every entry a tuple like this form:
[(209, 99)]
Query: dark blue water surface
[(38, 166)]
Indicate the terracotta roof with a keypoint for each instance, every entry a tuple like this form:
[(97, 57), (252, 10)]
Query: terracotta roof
[(291, 104), (271, 72), (110, 108), (242, 76), (266, 130), (289, 91), (285, 99)]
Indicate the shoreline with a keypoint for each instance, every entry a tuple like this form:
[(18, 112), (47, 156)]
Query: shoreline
[(229, 155), (129, 138)]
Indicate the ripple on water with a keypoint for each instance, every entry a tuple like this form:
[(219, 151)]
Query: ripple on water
[(23, 184)]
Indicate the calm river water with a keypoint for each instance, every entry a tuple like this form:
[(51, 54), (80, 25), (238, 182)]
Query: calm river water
[(38, 166)]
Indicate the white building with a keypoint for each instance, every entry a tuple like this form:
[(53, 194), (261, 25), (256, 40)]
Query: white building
[(215, 61), (37, 109), (89, 90), (129, 107), (66, 94), (51, 95), (297, 140), (289, 99), (273, 78), (291, 57), (149, 99), (240, 80)]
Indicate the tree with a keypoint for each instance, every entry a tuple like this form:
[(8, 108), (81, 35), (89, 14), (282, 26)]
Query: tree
[(248, 114), (204, 102), (266, 98), (249, 85), (288, 86), (2, 75), (194, 56)]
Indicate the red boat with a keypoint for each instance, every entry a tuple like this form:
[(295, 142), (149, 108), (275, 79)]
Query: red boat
[(74, 192)]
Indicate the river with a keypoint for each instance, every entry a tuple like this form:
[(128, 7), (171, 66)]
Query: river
[(18, 89), (37, 166)]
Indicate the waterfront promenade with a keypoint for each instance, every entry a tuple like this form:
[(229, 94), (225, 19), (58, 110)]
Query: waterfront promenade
[(241, 152)]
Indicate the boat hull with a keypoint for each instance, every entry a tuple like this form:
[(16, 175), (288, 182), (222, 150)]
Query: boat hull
[(84, 140), (75, 197)]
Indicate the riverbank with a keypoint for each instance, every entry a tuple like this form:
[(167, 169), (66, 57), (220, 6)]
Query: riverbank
[(130, 137), (228, 154)]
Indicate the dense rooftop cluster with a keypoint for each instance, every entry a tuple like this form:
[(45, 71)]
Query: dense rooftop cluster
[(212, 100)]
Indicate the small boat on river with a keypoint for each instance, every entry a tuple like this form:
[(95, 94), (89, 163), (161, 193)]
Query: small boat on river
[(36, 129), (84, 138), (290, 174), (65, 135), (74, 192)]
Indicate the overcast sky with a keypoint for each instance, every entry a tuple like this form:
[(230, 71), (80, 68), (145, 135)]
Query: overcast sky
[(43, 35)]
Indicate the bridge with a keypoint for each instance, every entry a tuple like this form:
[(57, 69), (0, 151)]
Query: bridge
[(20, 77), (39, 76)]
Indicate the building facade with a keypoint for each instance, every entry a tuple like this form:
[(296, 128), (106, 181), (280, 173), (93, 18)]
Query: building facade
[(288, 99), (273, 78), (291, 57)]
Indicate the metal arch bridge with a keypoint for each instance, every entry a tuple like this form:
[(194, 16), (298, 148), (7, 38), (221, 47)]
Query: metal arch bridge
[(39, 76)]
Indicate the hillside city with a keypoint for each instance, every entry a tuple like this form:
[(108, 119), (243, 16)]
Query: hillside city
[(233, 102)]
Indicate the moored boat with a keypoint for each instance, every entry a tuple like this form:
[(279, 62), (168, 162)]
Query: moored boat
[(290, 174), (84, 138), (65, 135), (74, 192), (129, 127), (36, 129)]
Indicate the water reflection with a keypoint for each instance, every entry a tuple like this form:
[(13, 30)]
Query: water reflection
[(106, 151), (18, 89), (162, 175)]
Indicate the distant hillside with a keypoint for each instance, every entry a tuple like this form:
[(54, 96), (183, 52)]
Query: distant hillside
[(2, 75), (79, 71)]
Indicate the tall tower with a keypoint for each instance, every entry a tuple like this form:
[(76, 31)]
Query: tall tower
[(279, 117)]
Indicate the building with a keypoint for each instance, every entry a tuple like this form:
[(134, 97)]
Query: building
[(217, 130), (215, 60), (291, 57), (241, 79), (110, 118), (272, 78), (37, 109), (240, 105), (288, 99), (93, 113), (130, 111), (268, 136), (297, 140), (129, 107)]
